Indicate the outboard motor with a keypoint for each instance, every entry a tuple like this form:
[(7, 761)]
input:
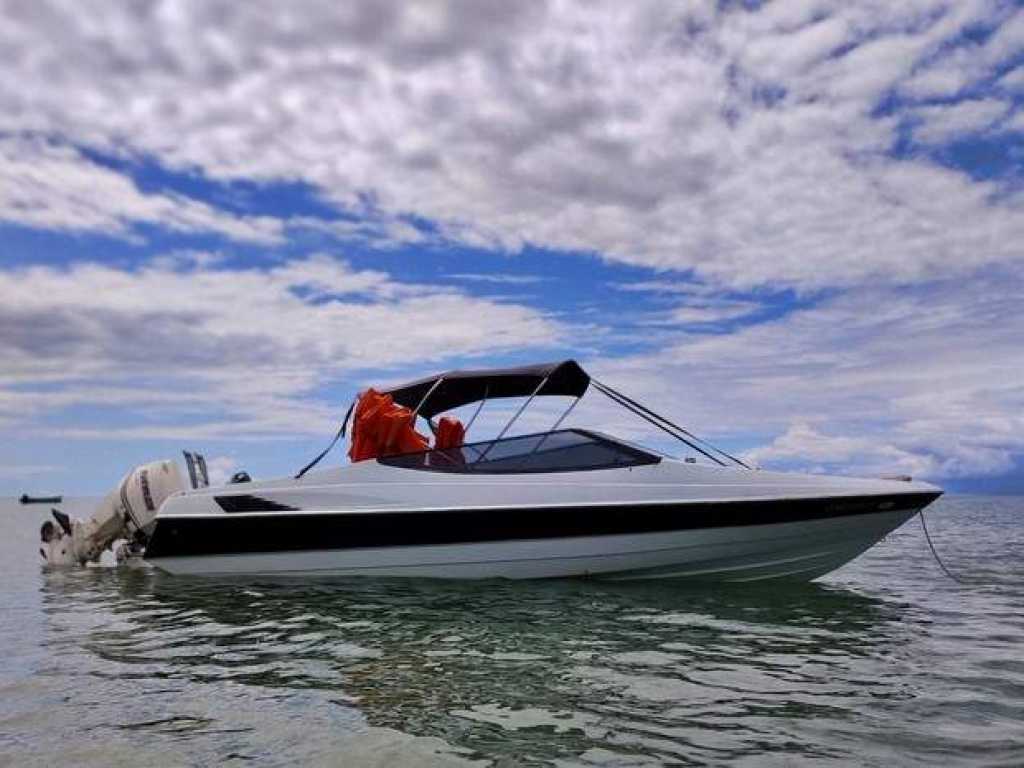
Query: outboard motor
[(128, 512)]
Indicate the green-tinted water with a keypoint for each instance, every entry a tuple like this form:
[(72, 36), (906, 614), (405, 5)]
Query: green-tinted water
[(885, 662)]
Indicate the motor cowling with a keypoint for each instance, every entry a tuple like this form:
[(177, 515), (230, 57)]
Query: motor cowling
[(127, 512), (141, 492)]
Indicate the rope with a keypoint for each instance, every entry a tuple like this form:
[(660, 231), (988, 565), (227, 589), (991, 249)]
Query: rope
[(935, 554), (338, 435), (616, 398), (636, 407)]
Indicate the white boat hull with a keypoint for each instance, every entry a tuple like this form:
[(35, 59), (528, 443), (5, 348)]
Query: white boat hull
[(667, 520), (795, 550)]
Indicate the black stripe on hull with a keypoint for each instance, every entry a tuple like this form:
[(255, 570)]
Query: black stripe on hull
[(291, 532)]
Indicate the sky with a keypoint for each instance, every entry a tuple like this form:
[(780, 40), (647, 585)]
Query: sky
[(795, 227)]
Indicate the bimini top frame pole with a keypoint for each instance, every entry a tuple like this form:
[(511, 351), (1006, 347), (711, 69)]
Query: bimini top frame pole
[(426, 397), (476, 413), (513, 419), (554, 426)]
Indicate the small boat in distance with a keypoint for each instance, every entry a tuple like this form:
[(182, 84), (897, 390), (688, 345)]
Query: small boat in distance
[(26, 499)]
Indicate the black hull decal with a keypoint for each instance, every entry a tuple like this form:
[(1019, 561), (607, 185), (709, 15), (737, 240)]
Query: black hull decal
[(196, 536), (244, 502)]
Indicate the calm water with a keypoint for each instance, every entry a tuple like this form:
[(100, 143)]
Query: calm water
[(884, 662)]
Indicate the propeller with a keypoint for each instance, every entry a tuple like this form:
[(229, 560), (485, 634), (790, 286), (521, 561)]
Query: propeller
[(63, 520)]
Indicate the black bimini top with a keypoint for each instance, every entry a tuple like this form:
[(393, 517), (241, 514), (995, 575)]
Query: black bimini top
[(457, 388)]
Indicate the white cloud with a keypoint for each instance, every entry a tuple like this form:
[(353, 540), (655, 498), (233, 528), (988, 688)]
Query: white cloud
[(1015, 123), (668, 287), (220, 469), (802, 445), (499, 278), (944, 81), (965, 63), (743, 144), (695, 303), (700, 311), (715, 312), (193, 349), (55, 187), (1014, 79), (378, 228), (944, 123), (1007, 41), (926, 381)]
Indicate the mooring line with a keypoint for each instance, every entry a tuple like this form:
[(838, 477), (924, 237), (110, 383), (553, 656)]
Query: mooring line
[(935, 554)]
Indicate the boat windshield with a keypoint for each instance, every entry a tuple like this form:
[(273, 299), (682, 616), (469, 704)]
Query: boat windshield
[(567, 450)]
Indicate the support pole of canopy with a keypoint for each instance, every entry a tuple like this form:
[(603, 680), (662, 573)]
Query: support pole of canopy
[(565, 413), (426, 397), (513, 419), (477, 411), (554, 426)]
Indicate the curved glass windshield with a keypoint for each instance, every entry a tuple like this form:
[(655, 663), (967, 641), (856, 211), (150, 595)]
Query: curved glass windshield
[(568, 450)]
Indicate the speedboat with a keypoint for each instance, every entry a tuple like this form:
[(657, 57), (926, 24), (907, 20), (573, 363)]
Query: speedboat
[(567, 502)]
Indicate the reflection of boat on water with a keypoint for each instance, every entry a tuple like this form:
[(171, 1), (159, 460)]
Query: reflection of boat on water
[(26, 499), (359, 621), (561, 503), (435, 659)]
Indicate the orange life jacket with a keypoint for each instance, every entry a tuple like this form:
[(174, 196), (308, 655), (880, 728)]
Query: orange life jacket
[(450, 433), (382, 428)]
